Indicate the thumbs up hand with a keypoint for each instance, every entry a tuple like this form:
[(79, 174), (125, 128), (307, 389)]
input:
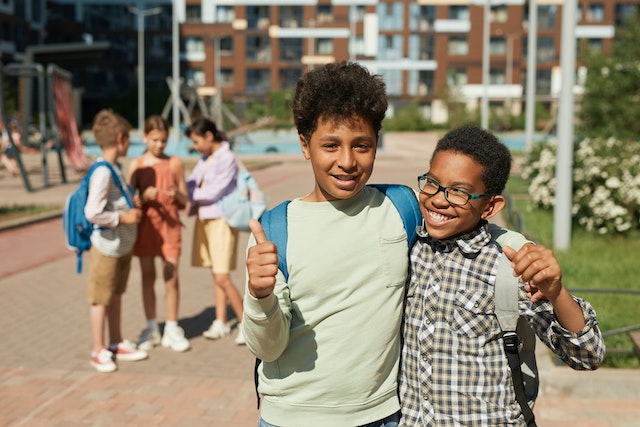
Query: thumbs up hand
[(262, 263)]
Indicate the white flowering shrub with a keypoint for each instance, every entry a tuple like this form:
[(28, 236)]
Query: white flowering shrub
[(606, 182)]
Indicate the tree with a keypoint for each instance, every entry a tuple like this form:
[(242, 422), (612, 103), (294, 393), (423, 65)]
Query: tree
[(610, 106)]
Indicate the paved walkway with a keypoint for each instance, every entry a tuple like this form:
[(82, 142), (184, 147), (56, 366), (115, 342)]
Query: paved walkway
[(46, 380)]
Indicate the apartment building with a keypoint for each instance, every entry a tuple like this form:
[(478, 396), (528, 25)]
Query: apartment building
[(249, 48), (426, 50)]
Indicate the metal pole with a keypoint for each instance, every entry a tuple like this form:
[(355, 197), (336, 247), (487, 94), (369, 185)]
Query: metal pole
[(140, 70), (485, 67), (564, 165), (532, 47), (218, 98), (175, 73)]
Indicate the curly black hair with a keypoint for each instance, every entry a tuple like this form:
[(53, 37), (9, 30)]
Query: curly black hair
[(339, 92), (483, 147)]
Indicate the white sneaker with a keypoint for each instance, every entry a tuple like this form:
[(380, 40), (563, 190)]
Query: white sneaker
[(149, 338), (174, 338), (217, 330), (103, 361), (240, 337), (127, 352)]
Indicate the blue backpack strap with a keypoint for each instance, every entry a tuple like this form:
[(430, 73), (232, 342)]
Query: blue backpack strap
[(274, 224), (404, 199), (116, 180)]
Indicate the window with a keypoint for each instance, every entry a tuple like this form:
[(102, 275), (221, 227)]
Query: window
[(288, 78), (325, 46), (291, 50), (258, 17), (291, 16), (624, 11), (543, 82), (393, 80), (226, 77), (460, 13), (458, 45), (357, 45), (425, 18), (546, 49), (497, 46), (258, 81), (457, 77), (195, 76), (358, 11), (547, 16), (595, 12), (325, 13), (225, 14), (497, 76), (226, 45), (499, 13), (193, 13), (258, 49), (194, 45)]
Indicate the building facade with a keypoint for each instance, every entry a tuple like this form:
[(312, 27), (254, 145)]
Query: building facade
[(427, 51)]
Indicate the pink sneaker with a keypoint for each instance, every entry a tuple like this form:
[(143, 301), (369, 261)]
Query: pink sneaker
[(103, 361), (127, 352)]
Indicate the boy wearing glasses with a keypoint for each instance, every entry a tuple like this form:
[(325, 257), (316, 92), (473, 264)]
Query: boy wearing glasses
[(453, 367)]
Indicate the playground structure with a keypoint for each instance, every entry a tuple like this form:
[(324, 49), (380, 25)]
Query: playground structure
[(206, 98), (57, 129)]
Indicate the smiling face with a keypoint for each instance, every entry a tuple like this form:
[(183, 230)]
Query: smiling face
[(342, 156), (444, 220), (156, 141)]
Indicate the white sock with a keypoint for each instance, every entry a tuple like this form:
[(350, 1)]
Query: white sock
[(171, 324)]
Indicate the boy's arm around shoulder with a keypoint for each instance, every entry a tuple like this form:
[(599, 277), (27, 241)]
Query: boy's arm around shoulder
[(266, 319)]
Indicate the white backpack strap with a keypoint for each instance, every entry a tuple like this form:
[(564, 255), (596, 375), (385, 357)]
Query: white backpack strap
[(506, 295)]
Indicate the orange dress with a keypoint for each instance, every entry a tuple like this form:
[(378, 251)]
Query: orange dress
[(159, 230)]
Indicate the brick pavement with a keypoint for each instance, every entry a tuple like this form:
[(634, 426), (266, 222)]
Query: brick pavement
[(46, 380)]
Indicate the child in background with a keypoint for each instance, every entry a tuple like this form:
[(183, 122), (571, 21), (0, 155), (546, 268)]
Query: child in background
[(159, 181), (111, 244), (214, 241), (454, 369)]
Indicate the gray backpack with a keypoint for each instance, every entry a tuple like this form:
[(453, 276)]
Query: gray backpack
[(518, 339)]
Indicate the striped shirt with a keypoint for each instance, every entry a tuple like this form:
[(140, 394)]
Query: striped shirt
[(454, 370), (104, 205)]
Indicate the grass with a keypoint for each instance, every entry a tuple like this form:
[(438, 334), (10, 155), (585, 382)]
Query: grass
[(8, 213), (602, 269)]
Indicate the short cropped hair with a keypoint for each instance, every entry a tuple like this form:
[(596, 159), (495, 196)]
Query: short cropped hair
[(339, 92), (107, 124), (483, 147)]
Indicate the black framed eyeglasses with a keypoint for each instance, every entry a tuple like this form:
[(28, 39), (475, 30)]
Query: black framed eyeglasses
[(455, 196)]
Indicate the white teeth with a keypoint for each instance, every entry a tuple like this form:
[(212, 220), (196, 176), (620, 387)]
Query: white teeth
[(438, 217)]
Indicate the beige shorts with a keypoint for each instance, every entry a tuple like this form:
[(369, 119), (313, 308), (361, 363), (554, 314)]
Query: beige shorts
[(108, 276), (214, 245)]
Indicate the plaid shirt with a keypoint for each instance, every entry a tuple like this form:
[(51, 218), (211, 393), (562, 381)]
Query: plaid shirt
[(454, 371)]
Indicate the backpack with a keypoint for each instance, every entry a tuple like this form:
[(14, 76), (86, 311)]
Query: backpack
[(518, 338), (274, 224), (244, 203), (77, 228)]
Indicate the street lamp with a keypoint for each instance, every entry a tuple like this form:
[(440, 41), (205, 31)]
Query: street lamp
[(141, 14)]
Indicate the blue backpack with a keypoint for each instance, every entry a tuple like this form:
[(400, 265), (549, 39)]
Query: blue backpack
[(77, 228), (274, 224)]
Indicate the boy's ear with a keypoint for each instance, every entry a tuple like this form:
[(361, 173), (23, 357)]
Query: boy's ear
[(304, 145), (493, 206)]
